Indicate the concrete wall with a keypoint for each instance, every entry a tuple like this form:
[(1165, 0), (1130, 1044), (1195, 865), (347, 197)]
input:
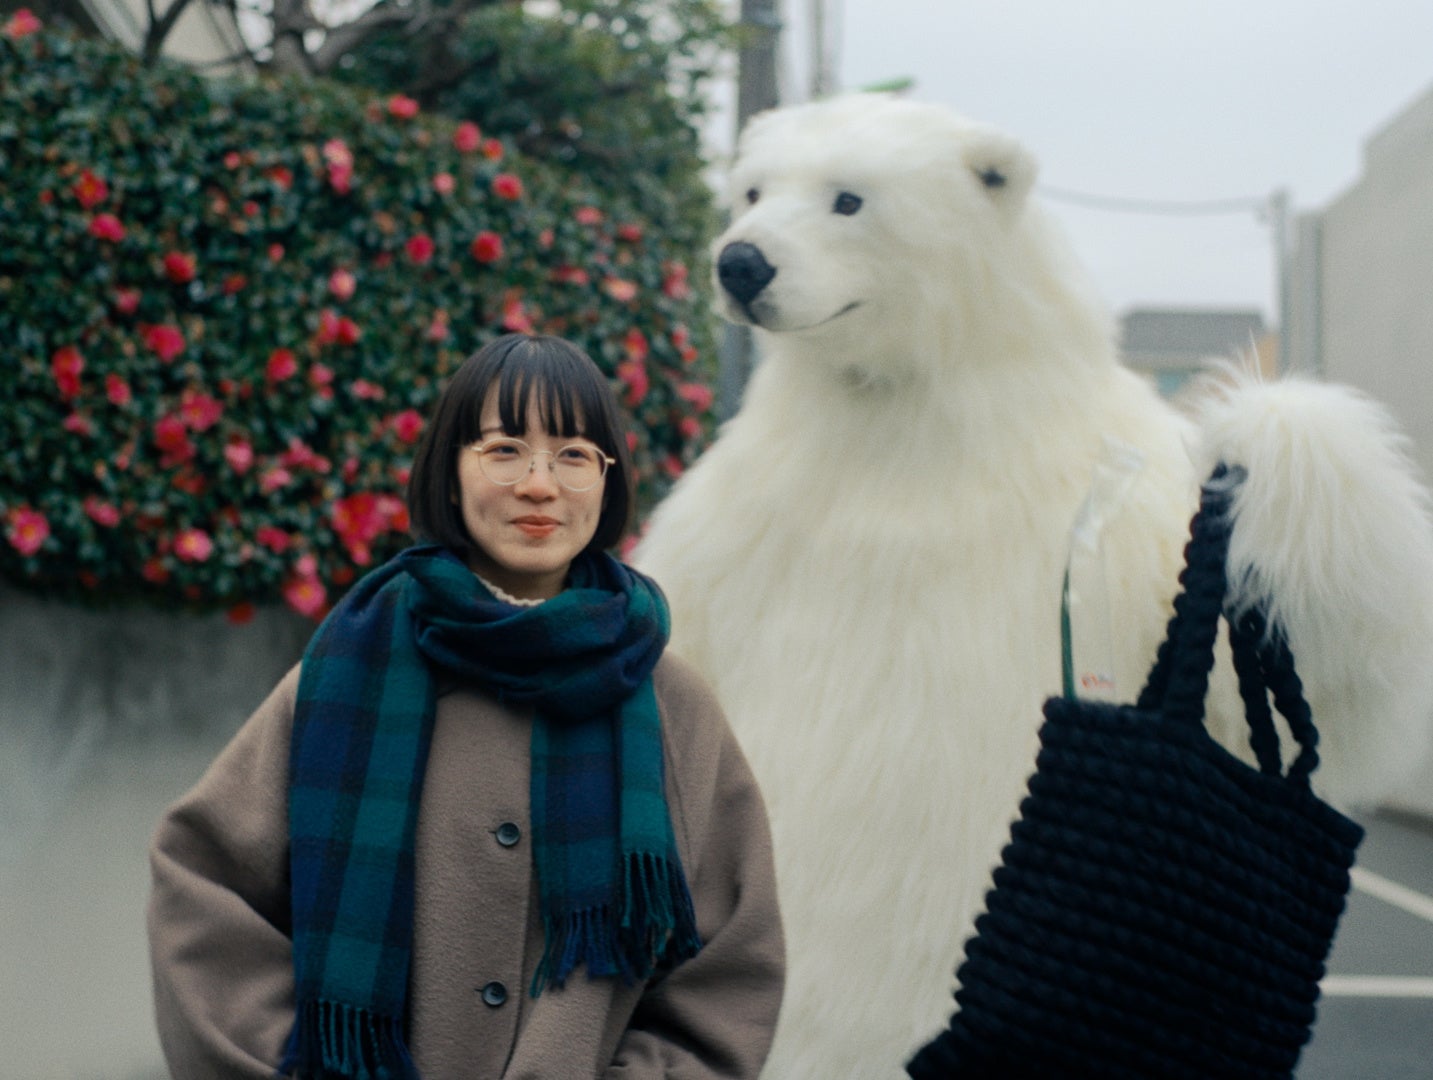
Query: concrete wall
[(105, 718)]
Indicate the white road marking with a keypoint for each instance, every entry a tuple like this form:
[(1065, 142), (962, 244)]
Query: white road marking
[(1390, 892), (1376, 986)]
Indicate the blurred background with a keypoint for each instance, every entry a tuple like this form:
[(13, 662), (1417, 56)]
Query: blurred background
[(240, 242)]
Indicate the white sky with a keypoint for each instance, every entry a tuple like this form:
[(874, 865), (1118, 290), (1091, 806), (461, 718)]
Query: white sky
[(1165, 100)]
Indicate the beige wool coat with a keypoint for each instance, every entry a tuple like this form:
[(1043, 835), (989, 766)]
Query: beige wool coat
[(219, 911)]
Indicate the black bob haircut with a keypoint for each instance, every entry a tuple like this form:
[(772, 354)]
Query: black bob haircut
[(573, 398)]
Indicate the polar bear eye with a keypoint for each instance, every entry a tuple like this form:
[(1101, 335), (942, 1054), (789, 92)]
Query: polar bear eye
[(847, 204), (752, 195)]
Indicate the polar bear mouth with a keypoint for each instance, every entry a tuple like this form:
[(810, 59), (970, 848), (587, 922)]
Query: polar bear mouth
[(771, 324)]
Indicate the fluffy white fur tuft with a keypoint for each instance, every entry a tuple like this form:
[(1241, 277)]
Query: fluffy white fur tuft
[(867, 562)]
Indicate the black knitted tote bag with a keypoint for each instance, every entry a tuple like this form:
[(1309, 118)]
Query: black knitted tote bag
[(1163, 911)]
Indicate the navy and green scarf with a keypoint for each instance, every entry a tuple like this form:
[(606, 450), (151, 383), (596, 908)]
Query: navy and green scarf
[(611, 888)]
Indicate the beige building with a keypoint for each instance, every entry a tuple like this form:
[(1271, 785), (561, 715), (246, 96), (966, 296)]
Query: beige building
[(204, 35)]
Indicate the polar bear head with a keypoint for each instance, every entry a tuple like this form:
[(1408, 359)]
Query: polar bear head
[(867, 216)]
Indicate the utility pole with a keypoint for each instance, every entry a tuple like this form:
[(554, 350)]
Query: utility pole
[(756, 90), (1279, 226)]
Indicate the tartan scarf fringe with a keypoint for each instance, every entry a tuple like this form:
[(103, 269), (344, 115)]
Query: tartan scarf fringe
[(337, 1041), (657, 924)]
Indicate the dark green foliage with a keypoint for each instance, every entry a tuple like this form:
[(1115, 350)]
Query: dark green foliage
[(218, 408)]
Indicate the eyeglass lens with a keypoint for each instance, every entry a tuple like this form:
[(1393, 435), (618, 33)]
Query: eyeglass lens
[(576, 467)]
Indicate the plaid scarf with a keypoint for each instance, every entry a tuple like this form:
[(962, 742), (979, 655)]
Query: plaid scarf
[(612, 893)]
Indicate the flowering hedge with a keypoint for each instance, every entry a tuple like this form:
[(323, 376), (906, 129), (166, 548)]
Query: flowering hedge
[(225, 308)]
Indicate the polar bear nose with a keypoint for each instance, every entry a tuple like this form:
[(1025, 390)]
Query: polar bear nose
[(743, 271)]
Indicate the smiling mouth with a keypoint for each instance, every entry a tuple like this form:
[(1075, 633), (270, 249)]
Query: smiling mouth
[(536, 527)]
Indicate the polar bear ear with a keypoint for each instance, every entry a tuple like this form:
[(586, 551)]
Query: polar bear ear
[(1004, 168)]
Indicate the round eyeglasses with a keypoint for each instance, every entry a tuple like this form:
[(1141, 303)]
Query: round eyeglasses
[(577, 466)]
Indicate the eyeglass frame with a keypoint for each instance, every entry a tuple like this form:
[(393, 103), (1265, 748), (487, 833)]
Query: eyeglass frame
[(606, 460)]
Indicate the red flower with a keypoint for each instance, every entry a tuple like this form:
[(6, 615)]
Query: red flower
[(171, 436), (235, 283), (674, 283), (90, 189), (515, 316), (402, 108), (588, 215), (77, 424), (179, 267), (101, 512), (66, 363), (28, 530), (320, 377), (274, 478), (117, 390), (154, 571), (630, 233), (407, 425), (241, 613), (337, 329), (569, 275), (273, 538), (342, 284), (699, 394), (619, 289), (300, 455), (444, 184), (487, 247), (492, 150), (466, 137), (200, 411), (281, 365), (276, 253), (634, 374), (306, 595), (438, 327), (193, 545), (365, 390), (690, 427), (107, 227), (21, 24), (419, 248), (507, 186), (357, 520), (282, 177), (340, 178), (239, 453), (232, 160), (126, 301), (635, 342), (164, 341)]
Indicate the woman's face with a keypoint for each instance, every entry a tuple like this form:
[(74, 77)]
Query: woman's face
[(526, 534)]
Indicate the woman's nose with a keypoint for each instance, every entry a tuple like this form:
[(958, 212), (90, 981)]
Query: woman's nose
[(539, 481)]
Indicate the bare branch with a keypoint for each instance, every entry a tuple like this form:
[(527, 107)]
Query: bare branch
[(160, 26)]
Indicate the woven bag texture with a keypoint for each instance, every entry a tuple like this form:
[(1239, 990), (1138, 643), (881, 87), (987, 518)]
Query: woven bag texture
[(1162, 910)]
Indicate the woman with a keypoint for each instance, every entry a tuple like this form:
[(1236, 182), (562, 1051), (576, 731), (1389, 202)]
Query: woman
[(487, 828)]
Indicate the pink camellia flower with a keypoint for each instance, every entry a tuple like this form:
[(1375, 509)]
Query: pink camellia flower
[(339, 161), (357, 519), (281, 175), (276, 253), (117, 390), (306, 595), (633, 374), (78, 424), (420, 248), (334, 328), (690, 427), (299, 455), (235, 283), (171, 436), (515, 316), (673, 467), (281, 365), (154, 571), (273, 538), (107, 227), (401, 107), (507, 186), (444, 184), (487, 247), (180, 267), (233, 159), (66, 364), (467, 137), (27, 530), (164, 341), (320, 377), (342, 284), (275, 478), (629, 232), (100, 512), (239, 453), (492, 150), (193, 545), (126, 300), (365, 390), (588, 215), (635, 343), (90, 189), (407, 425), (569, 275), (394, 511), (22, 24), (200, 411), (620, 289), (674, 281), (699, 394), (438, 328)]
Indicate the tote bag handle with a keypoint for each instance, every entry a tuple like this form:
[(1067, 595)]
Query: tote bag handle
[(1179, 680)]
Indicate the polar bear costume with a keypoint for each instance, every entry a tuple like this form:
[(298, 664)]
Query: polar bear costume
[(867, 562)]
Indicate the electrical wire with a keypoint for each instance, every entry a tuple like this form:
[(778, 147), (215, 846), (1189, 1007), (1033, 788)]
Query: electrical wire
[(1170, 207)]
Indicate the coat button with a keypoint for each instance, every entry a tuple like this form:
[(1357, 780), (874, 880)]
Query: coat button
[(494, 994), (508, 834)]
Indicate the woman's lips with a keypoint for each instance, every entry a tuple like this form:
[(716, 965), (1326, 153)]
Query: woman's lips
[(536, 527)]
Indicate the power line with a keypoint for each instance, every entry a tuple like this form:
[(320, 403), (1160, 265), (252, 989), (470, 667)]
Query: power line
[(1168, 207)]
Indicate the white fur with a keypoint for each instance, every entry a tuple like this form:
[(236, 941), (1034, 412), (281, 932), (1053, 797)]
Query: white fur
[(867, 562)]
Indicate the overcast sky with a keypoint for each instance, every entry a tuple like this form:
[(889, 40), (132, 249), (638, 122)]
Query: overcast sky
[(1164, 100)]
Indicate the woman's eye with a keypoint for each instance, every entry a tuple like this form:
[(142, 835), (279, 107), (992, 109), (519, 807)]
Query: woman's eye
[(577, 455), (846, 204), (502, 450)]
